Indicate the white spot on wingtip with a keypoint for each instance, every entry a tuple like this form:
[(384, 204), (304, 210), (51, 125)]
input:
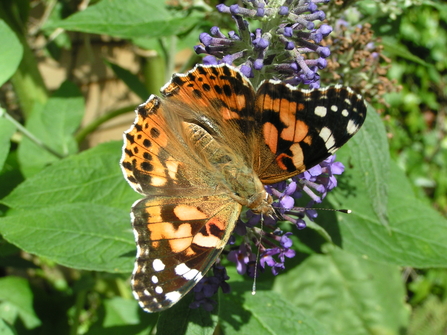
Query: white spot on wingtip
[(158, 265), (187, 273), (159, 290), (344, 112), (154, 279), (173, 296), (320, 111), (351, 128), (328, 138), (334, 108)]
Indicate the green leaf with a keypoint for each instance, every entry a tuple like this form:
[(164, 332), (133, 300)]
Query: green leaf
[(11, 54), (122, 316), (348, 294), (405, 241), (54, 124), (94, 176), (370, 152), (79, 235), (75, 212), (17, 302), (130, 80), (120, 311), (188, 321), (264, 313), (391, 46), (239, 312), (10, 176), (6, 328), (128, 19), (416, 233), (7, 129)]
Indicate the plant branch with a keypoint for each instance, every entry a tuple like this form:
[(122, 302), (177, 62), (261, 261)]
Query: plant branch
[(28, 134), (84, 132)]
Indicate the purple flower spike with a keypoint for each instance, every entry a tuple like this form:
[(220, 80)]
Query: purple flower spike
[(285, 241), (241, 257), (324, 52), (205, 38), (300, 224), (283, 251), (223, 9), (210, 60), (295, 31), (258, 64), (199, 49), (283, 10), (288, 32), (262, 43), (208, 286), (247, 70), (234, 9), (312, 7), (325, 29), (215, 31)]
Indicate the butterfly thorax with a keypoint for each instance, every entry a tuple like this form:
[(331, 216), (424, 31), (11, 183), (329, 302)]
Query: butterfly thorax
[(259, 203), (231, 171)]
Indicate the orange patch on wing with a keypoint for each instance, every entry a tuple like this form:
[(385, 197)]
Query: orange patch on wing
[(206, 241), (295, 133), (229, 115), (269, 103), (308, 140), (279, 161), (210, 240), (158, 181), (286, 112), (154, 213), (216, 223), (271, 136), (179, 238), (298, 156), (236, 102), (172, 167), (184, 212)]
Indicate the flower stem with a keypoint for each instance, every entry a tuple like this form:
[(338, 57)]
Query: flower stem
[(84, 132), (28, 134)]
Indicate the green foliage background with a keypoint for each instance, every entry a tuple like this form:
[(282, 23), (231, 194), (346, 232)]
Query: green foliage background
[(66, 247)]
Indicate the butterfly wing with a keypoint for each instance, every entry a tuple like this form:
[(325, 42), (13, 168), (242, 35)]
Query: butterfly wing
[(221, 100), (186, 218), (178, 239), (300, 128)]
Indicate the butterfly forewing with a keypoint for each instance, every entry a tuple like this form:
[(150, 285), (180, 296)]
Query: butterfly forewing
[(301, 128)]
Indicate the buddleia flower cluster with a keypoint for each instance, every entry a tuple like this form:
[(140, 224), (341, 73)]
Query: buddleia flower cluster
[(285, 47)]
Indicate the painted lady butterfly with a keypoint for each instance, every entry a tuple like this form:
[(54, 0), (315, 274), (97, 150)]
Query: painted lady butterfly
[(203, 151)]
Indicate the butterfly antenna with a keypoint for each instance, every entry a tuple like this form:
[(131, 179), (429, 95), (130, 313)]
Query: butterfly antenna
[(346, 211), (255, 274)]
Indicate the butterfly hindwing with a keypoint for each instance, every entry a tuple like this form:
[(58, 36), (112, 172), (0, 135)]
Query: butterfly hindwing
[(178, 240)]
